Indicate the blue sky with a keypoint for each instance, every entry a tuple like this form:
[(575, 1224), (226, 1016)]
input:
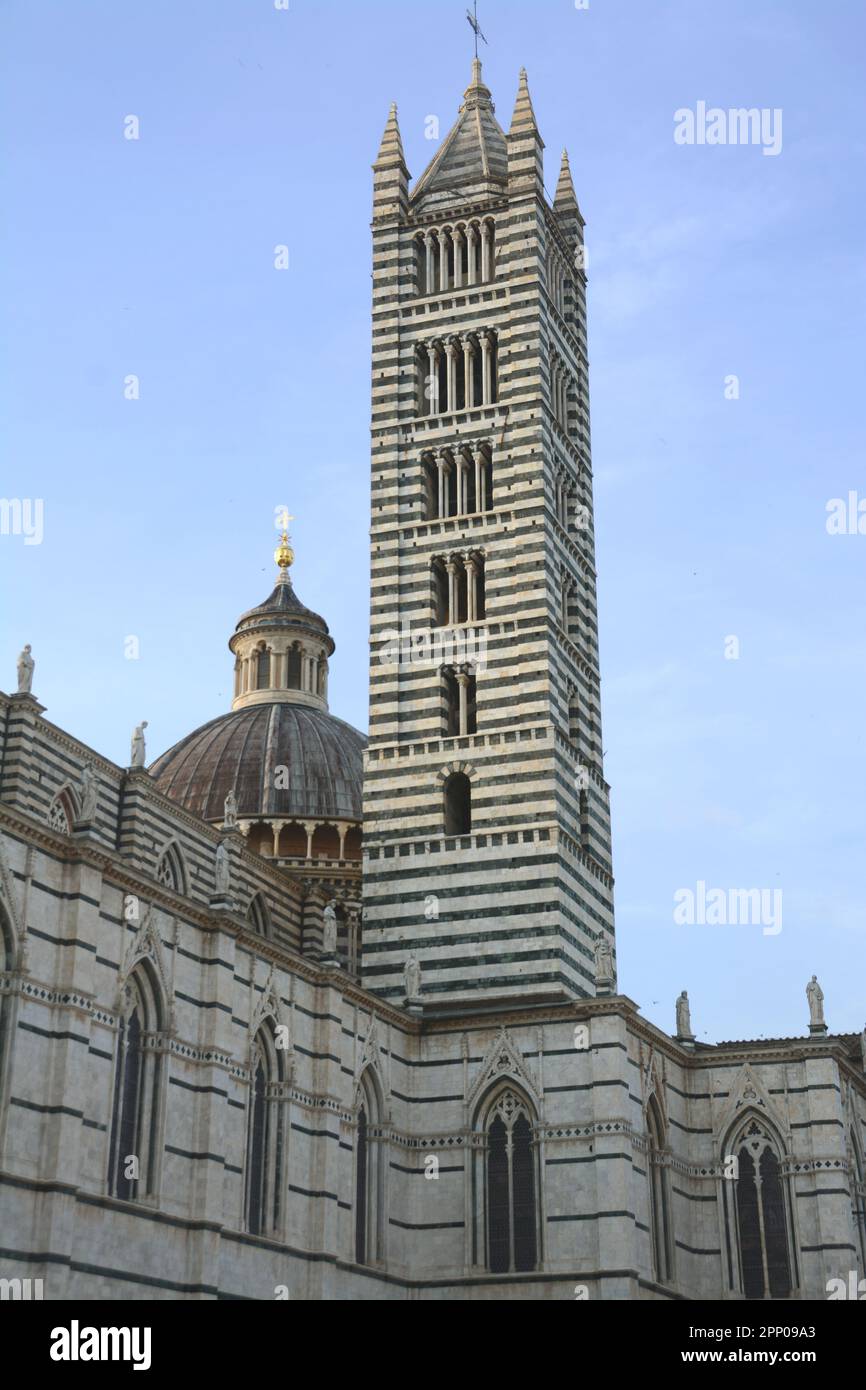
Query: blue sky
[(155, 258)]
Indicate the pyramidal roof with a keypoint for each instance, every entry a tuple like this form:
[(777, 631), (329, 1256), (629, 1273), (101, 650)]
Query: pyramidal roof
[(474, 150), (391, 148)]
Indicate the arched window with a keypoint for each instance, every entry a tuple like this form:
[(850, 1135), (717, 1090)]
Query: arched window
[(458, 701), (659, 1194), (756, 1212), (369, 1174), (265, 1136), (510, 1186), (429, 487), (440, 592), (293, 669), (458, 804), (63, 812), (420, 265), (263, 669), (257, 915), (170, 870), (133, 1145)]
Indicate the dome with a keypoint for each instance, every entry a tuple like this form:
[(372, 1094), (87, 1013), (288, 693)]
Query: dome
[(242, 750), (283, 604)]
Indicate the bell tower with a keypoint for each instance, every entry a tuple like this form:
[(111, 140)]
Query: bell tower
[(486, 819)]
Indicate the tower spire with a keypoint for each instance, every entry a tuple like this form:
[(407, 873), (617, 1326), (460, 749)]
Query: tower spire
[(390, 175), (391, 146), (525, 145), (565, 198), (523, 119)]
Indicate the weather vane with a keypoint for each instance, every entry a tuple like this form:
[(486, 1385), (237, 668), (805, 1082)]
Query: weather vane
[(473, 20)]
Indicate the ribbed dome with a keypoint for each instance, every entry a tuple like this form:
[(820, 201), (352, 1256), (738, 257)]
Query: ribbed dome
[(282, 603), (243, 749)]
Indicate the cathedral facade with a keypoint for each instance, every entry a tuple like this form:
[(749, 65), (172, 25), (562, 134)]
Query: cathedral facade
[(293, 1013)]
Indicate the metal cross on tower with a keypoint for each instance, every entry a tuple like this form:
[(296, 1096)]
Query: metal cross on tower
[(473, 20)]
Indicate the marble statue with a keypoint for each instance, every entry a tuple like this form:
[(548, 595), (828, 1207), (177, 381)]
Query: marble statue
[(137, 754), (815, 996), (329, 930), (222, 871), (230, 811), (88, 792), (26, 667), (412, 979), (684, 1017), (603, 962)]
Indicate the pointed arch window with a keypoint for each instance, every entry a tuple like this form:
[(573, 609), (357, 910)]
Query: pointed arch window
[(757, 1213), (170, 869), (263, 1199), (63, 812), (659, 1195), (133, 1144), (369, 1174), (258, 915), (510, 1186)]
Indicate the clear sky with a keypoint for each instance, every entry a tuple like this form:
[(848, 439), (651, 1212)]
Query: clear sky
[(155, 258)]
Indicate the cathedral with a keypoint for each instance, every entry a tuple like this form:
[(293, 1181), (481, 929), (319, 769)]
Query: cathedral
[(291, 1012)]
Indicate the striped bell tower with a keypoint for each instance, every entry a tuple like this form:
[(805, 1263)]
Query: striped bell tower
[(486, 819)]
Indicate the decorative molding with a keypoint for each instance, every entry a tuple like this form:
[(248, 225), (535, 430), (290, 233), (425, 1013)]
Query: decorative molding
[(147, 945), (504, 1061)]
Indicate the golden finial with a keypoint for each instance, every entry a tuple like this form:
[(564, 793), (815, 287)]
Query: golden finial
[(284, 555)]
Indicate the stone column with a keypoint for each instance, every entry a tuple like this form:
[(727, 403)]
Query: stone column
[(471, 240), (485, 369), (479, 483), (471, 589), (443, 260), (343, 831), (469, 383), (276, 827), (451, 351), (433, 381), (485, 252), (310, 826), (442, 469), (456, 241), (462, 489), (429, 287), (451, 567)]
